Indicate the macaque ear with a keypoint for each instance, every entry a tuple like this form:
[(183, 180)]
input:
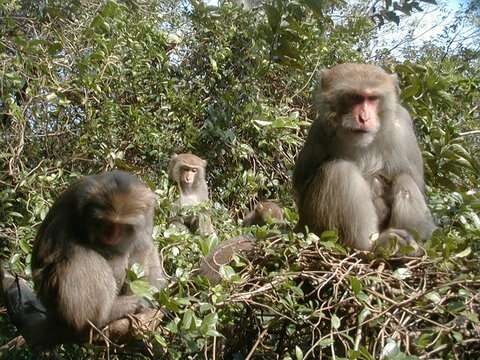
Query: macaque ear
[(322, 79), (171, 166), (396, 82), (319, 90), (204, 163)]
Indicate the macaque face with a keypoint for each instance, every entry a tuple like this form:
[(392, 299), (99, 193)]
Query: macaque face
[(188, 175), (359, 120), (109, 233)]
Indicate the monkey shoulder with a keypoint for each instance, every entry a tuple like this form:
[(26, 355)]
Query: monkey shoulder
[(403, 114), (311, 156)]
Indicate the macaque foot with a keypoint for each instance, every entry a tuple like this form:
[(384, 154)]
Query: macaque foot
[(396, 242)]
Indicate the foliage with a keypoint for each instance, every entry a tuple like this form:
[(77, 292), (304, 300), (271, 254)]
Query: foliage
[(88, 86)]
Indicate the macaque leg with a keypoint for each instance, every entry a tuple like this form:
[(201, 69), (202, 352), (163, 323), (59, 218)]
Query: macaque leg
[(97, 300), (340, 198), (409, 210)]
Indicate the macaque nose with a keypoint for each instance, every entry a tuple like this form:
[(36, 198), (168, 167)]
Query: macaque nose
[(188, 178), (363, 116)]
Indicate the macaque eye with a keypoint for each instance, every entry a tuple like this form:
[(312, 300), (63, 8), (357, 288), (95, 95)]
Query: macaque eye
[(128, 229), (373, 97), (194, 170), (356, 99)]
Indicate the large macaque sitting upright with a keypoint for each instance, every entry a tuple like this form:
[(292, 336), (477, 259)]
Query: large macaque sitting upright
[(95, 230), (361, 171), (188, 171)]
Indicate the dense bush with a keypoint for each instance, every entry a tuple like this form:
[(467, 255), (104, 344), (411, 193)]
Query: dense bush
[(89, 86)]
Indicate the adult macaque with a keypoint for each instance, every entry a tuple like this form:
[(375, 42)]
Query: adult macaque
[(96, 229), (263, 213), (222, 255), (361, 170), (188, 171)]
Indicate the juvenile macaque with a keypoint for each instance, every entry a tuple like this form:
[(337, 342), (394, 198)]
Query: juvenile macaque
[(361, 171), (222, 255), (96, 229), (188, 171), (263, 213)]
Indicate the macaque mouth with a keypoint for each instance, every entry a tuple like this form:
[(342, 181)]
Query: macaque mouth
[(113, 233), (359, 131)]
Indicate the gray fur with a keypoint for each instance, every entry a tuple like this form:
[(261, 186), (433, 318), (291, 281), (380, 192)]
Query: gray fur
[(361, 184), (78, 275)]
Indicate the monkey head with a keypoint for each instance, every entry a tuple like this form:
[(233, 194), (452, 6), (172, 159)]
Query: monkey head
[(187, 170), (112, 208), (264, 212), (359, 99)]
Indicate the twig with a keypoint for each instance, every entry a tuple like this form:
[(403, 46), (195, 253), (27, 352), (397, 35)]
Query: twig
[(260, 337)]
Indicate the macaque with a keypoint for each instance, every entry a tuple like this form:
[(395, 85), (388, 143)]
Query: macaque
[(222, 255), (95, 230), (188, 171), (263, 213), (361, 171)]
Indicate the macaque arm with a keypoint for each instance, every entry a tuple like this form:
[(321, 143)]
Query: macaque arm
[(409, 210), (309, 159), (156, 275), (340, 198), (98, 289)]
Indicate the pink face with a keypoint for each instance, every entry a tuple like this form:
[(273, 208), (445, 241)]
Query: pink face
[(365, 112), (188, 175), (360, 121), (110, 233)]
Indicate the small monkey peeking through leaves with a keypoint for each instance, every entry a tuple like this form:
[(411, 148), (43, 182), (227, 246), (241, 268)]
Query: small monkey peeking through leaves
[(263, 213), (188, 172)]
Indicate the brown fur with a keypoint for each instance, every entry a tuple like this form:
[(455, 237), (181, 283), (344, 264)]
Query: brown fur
[(264, 212), (198, 191), (79, 276), (355, 182), (191, 194)]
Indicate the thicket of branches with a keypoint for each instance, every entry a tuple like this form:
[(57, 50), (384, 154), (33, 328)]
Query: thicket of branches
[(88, 86)]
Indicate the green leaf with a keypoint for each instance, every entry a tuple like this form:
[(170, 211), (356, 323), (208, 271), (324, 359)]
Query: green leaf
[(25, 246), (391, 349), (457, 336), (188, 319), (471, 316), (160, 340), (434, 297), (424, 340), (298, 353), (402, 273), (364, 314), (335, 321), (141, 288), (213, 332), (464, 253), (355, 284), (326, 342)]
